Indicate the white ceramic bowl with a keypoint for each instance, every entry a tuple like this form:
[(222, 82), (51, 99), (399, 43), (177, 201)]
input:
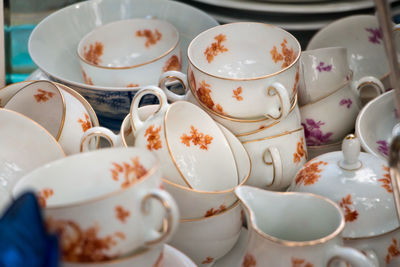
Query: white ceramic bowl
[(129, 53), (25, 146), (49, 47), (205, 240), (361, 35), (374, 125)]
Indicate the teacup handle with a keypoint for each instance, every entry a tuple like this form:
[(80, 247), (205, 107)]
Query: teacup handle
[(98, 131), (136, 122), (276, 163), (172, 74), (278, 89), (171, 220), (369, 81), (353, 256)]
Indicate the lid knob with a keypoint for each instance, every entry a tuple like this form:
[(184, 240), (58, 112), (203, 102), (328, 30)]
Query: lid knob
[(351, 151)]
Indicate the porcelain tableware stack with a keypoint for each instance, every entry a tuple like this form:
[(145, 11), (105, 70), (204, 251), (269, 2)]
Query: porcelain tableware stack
[(107, 206), (59, 109), (250, 87), (48, 46), (328, 87), (360, 184)]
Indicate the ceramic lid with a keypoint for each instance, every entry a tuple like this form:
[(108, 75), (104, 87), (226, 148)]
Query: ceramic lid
[(358, 182)]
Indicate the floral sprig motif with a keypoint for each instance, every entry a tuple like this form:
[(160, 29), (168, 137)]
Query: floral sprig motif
[(386, 180), (310, 173), (383, 147), (215, 48), (350, 214), (43, 95), (392, 251), (314, 135), (203, 140), (322, 67), (346, 102), (249, 261), (301, 263), (151, 37), (375, 36)]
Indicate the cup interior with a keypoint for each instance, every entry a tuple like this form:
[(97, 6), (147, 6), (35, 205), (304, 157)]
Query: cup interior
[(243, 50), (128, 43), (71, 180)]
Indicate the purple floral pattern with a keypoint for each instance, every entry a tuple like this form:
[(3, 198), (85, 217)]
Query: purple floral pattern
[(346, 102), (396, 113), (383, 147), (375, 36), (322, 67), (314, 135)]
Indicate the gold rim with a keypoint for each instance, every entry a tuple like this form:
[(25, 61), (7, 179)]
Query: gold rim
[(150, 173), (96, 134), (133, 66), (272, 124), (245, 79), (60, 129), (234, 205), (274, 136), (287, 243), (372, 236), (292, 101), (37, 124), (331, 93)]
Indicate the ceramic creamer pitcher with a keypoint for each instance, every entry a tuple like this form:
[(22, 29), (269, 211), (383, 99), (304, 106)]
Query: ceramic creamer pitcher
[(294, 229)]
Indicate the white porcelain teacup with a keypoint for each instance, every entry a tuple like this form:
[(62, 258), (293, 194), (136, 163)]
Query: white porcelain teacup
[(276, 159), (105, 203), (192, 149), (59, 109), (129, 53), (244, 70)]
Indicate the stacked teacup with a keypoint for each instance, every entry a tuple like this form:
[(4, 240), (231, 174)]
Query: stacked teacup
[(329, 98), (245, 75)]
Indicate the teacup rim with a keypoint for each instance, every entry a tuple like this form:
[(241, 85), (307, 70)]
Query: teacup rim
[(164, 54), (339, 229), (347, 238), (308, 52), (293, 102), (40, 126), (273, 136), (64, 105), (245, 79), (91, 200), (230, 208)]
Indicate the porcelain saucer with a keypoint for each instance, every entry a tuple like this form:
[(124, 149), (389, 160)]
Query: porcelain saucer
[(175, 258), (234, 257)]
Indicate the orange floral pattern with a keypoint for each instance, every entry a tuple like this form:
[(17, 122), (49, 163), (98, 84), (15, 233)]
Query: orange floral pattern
[(350, 214), (79, 245), (286, 55), (203, 140), (0, 102), (94, 53), (192, 79), (215, 48), (152, 37), (296, 80), (237, 92), (386, 180), (43, 195), (133, 85), (310, 173), (85, 124), (131, 173), (393, 251), (300, 152), (207, 260), (43, 96), (153, 138), (249, 261), (159, 261), (121, 213), (86, 78), (213, 211), (173, 63), (204, 95), (301, 263)]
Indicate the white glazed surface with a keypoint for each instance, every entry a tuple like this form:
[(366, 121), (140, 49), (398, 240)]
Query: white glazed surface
[(187, 159), (79, 115), (285, 164), (323, 70), (234, 78), (126, 57), (321, 126), (375, 123), (208, 239), (234, 257), (25, 146), (73, 198), (48, 46), (360, 35), (290, 228)]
